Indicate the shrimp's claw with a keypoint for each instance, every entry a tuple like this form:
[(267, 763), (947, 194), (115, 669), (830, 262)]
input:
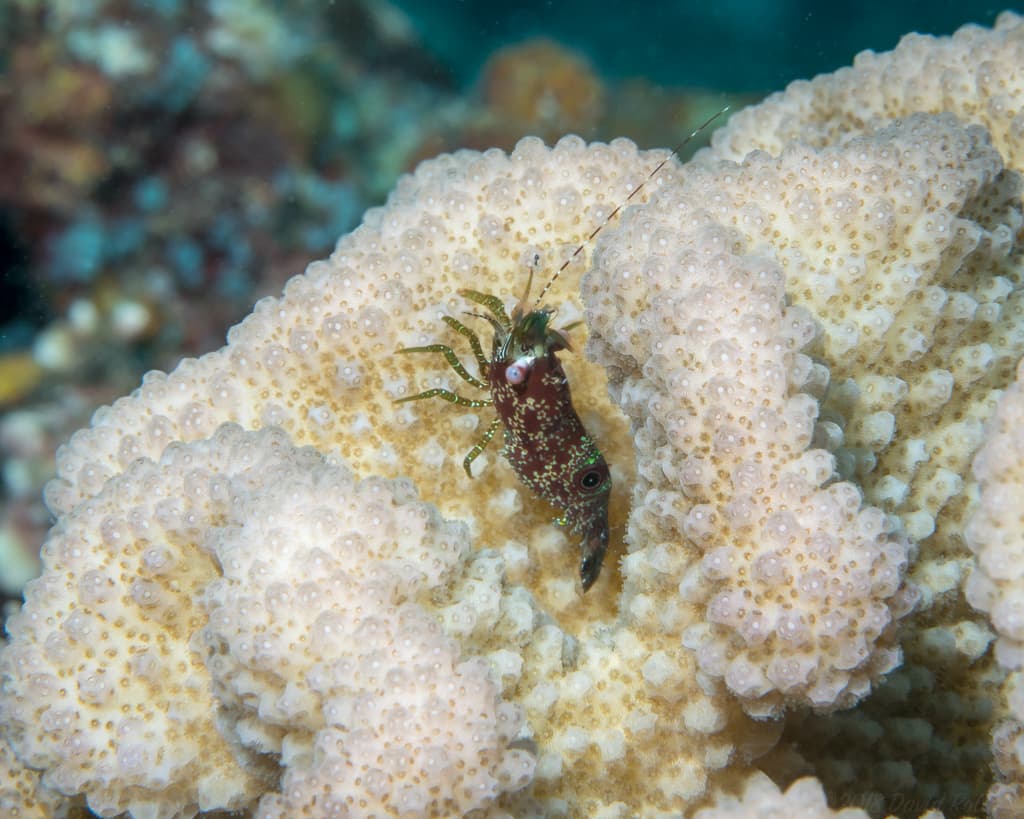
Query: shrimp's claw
[(592, 548)]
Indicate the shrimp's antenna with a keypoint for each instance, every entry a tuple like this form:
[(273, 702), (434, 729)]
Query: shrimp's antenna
[(625, 202)]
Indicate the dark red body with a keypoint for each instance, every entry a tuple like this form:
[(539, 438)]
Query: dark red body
[(552, 454)]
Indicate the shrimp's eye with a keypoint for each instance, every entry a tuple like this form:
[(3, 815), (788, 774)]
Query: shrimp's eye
[(592, 478), (518, 370)]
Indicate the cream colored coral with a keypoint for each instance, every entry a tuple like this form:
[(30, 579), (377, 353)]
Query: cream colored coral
[(688, 313), (995, 533), (964, 345), (996, 536), (916, 341), (242, 598), (946, 325), (382, 711), (22, 796), (101, 687), (932, 381), (762, 799), (976, 74)]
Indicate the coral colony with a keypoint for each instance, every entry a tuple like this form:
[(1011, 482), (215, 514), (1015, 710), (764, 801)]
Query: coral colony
[(272, 589)]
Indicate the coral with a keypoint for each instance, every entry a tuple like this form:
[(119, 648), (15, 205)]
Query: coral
[(544, 86), (807, 344), (21, 796), (919, 349), (762, 799), (19, 375), (379, 705), (255, 35), (975, 74), (688, 314), (996, 536), (46, 107), (135, 678)]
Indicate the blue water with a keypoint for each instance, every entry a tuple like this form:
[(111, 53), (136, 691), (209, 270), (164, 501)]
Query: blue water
[(730, 45)]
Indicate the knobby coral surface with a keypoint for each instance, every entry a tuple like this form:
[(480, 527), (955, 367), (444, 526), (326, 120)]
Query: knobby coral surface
[(920, 344), (996, 536), (802, 346)]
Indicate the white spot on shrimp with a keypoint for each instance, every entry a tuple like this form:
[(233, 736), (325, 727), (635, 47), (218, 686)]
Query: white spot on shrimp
[(518, 371)]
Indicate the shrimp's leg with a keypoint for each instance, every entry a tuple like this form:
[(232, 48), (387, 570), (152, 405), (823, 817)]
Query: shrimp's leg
[(492, 303), (480, 446), (451, 358), (474, 342)]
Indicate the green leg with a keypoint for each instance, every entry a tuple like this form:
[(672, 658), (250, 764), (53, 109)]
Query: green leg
[(474, 342), (492, 303), (447, 395), (480, 446), (450, 357)]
